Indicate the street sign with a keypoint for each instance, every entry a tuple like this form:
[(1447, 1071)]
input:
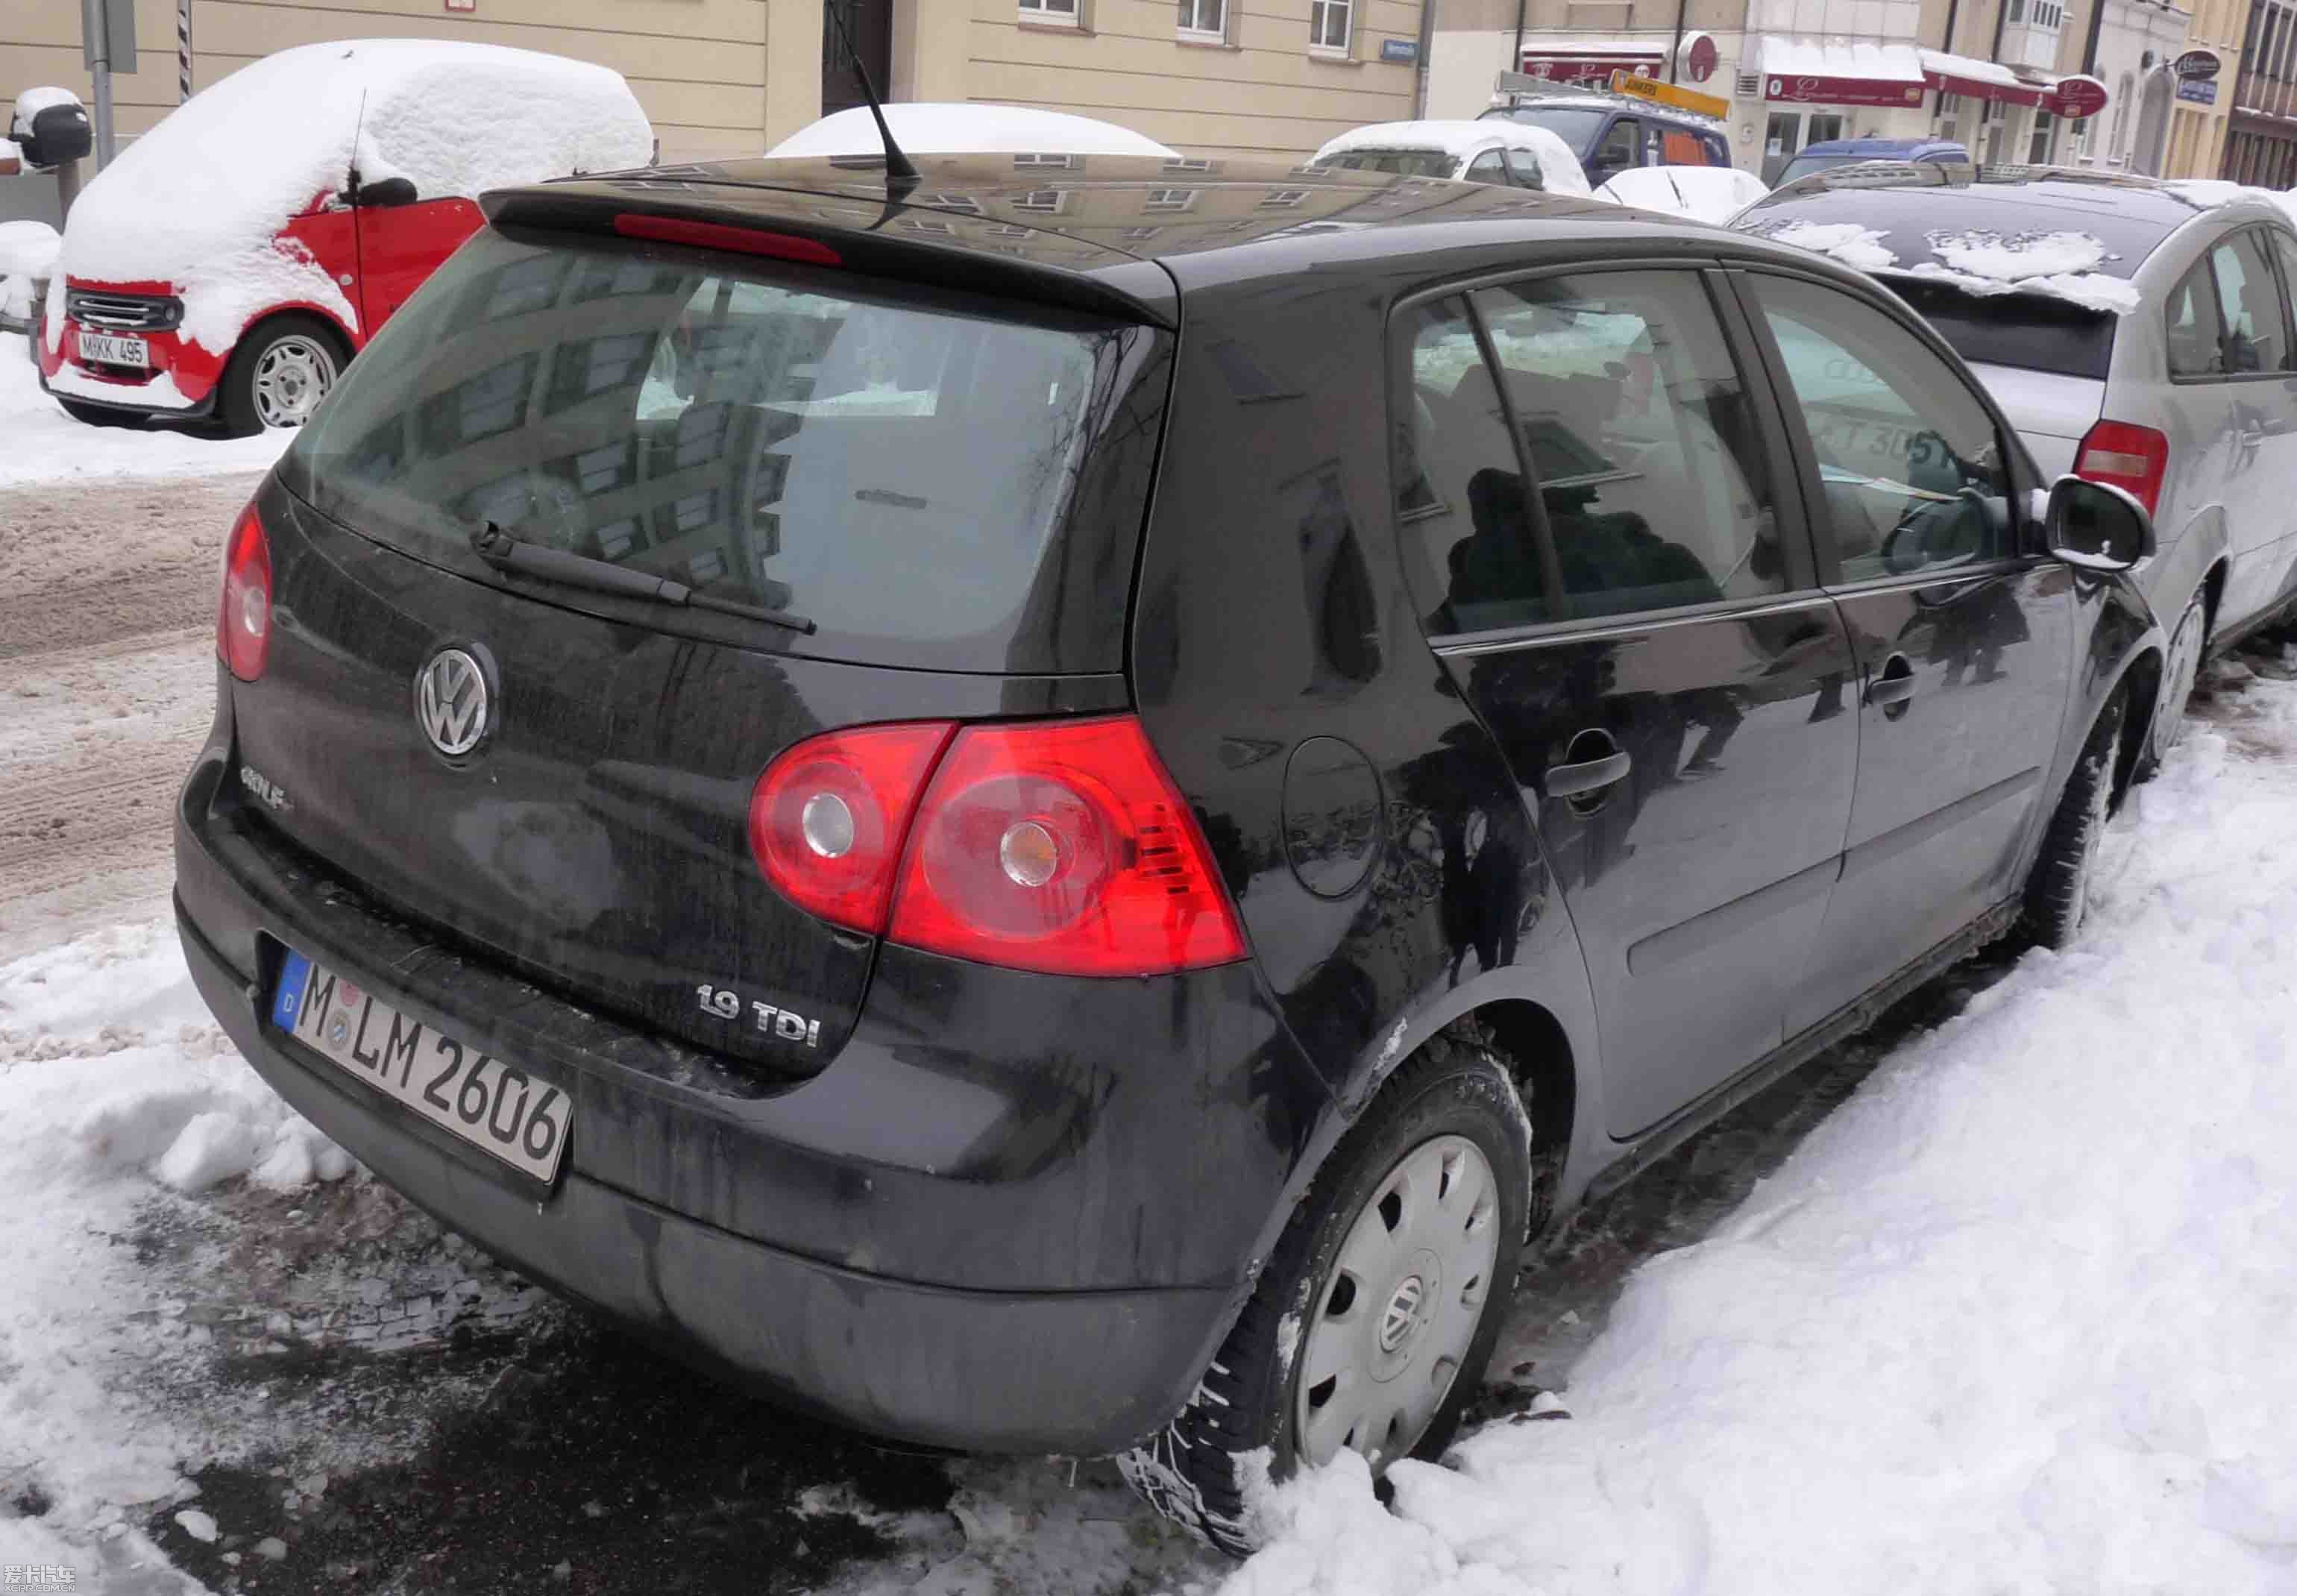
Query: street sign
[(1700, 57), (1668, 94), (1399, 49), (2200, 91), (2197, 64), (108, 35)]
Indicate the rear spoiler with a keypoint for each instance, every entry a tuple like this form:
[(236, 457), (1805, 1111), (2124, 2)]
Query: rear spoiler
[(786, 223)]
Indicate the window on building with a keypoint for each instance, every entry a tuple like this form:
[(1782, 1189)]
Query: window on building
[(1050, 200), (1169, 199), (963, 203), (1204, 19), (1289, 196), (1065, 162), (1139, 234), (1063, 11), (1331, 23), (2017, 10), (1185, 163), (2038, 149)]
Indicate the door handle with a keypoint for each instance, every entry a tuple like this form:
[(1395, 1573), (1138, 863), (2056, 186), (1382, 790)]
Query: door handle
[(1588, 776), (1893, 685)]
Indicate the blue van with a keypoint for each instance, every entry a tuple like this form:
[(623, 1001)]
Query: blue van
[(1845, 151), (1609, 133)]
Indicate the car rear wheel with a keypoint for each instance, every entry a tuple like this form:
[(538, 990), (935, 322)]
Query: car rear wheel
[(2179, 672), (279, 374), (1372, 1325), (2057, 891)]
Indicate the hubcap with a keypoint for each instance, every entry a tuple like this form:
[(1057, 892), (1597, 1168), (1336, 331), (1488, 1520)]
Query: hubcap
[(291, 376), (1401, 1305)]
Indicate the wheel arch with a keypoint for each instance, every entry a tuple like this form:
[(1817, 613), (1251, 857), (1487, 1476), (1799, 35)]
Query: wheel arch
[(346, 341)]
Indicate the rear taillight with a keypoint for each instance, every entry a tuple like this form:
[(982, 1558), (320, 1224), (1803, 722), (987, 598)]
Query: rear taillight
[(2133, 458), (1061, 846), (243, 617), (828, 817)]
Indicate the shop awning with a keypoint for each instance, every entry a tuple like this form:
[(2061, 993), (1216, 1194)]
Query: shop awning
[(1574, 59), (1978, 79), (1839, 73)]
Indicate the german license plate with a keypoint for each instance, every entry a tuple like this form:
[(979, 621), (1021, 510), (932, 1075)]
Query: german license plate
[(106, 349), (493, 1105)]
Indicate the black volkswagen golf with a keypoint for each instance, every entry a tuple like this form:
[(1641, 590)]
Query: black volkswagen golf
[(1052, 810)]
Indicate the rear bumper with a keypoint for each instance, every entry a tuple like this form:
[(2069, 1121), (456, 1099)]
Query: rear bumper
[(995, 1272), (1076, 1372)]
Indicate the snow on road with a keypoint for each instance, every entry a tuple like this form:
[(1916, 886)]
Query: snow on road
[(2016, 1318), (39, 443)]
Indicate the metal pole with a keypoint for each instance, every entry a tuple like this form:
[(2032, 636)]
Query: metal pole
[(1515, 64), (1675, 51), (96, 39), (1426, 47), (183, 51)]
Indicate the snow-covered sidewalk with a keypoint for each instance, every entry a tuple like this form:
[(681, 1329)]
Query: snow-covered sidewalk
[(2018, 1318), (39, 443)]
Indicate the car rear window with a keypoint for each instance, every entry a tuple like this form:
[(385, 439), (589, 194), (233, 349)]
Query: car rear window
[(1575, 126), (898, 464), (1404, 163), (2028, 331)]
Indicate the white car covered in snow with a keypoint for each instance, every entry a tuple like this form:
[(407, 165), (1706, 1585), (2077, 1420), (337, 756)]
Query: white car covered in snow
[(1494, 151), (927, 127), (232, 261), (1702, 194)]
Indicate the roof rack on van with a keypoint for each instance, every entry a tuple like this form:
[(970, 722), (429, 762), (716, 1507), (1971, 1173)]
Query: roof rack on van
[(1512, 89)]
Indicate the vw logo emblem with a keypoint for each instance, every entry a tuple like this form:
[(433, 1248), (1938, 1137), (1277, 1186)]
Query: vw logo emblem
[(450, 702)]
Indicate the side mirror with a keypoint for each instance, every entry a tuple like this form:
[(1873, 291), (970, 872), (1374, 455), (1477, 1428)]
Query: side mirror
[(2096, 526), (384, 192)]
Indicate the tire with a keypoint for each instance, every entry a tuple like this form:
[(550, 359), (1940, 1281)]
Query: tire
[(98, 416), (2057, 891), (2188, 643), (280, 371), (1455, 1099)]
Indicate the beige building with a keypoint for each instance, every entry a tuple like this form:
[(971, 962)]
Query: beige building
[(731, 77)]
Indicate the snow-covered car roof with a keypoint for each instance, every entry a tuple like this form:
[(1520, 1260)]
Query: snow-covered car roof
[(2076, 236), (226, 170), (1462, 141), (932, 128), (1705, 193)]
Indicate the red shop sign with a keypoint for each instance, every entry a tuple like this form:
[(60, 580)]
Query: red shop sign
[(1842, 91), (2077, 97)]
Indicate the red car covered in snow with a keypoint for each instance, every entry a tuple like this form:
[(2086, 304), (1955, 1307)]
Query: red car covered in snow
[(230, 262)]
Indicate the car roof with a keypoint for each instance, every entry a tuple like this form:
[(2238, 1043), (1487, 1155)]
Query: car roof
[(1879, 146), (1082, 233), (1597, 99), (1453, 137), (1905, 205)]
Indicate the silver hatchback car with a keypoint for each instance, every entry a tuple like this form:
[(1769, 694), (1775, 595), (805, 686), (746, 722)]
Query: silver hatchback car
[(2158, 356)]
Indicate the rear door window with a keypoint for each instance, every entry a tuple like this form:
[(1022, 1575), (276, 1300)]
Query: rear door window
[(2285, 248), (895, 464), (2196, 336), (1648, 487), (2248, 303), (1911, 465), (1523, 166), (1490, 167)]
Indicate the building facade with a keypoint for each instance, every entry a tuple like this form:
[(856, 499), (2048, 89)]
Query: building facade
[(2261, 127), (2003, 78), (725, 78)]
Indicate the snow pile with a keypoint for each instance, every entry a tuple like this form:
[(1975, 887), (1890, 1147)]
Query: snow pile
[(929, 128), (2063, 265), (38, 442), (1846, 241), (27, 253), (2015, 1317), (1705, 193), (197, 202)]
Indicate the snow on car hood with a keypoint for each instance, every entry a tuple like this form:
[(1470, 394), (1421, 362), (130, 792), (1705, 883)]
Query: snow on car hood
[(929, 128), (2062, 265), (199, 200)]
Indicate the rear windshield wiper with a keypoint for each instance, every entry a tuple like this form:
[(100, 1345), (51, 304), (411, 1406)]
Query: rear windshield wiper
[(507, 551)]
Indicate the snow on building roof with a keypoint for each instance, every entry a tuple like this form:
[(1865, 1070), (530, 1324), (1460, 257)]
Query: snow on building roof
[(931, 128), (1707, 193), (1787, 57), (1971, 68), (1559, 168), (198, 201)]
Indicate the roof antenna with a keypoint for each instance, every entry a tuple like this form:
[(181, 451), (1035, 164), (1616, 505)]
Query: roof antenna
[(900, 172)]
